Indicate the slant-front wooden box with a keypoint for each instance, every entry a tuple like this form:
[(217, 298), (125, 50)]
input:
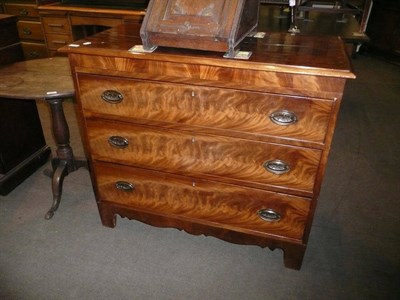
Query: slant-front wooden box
[(214, 25)]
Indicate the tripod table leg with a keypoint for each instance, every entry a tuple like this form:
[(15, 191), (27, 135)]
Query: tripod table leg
[(65, 161)]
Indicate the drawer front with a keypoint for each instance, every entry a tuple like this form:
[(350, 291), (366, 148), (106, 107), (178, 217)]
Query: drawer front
[(251, 163), (55, 41), (30, 30), (55, 25), (259, 114), (34, 50), (99, 21), (21, 10), (233, 207)]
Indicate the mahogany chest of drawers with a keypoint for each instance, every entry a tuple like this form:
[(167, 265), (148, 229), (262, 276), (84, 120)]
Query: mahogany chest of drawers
[(235, 149)]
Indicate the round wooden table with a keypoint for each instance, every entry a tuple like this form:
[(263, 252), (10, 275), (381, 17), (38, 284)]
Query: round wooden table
[(46, 79)]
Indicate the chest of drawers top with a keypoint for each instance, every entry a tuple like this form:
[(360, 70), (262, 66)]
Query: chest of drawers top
[(280, 62)]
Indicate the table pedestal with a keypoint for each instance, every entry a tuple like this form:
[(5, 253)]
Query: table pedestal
[(65, 162)]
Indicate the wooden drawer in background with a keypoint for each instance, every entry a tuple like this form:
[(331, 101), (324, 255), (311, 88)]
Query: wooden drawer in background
[(98, 21), (56, 25), (55, 41), (34, 50), (23, 11), (30, 30), (209, 202)]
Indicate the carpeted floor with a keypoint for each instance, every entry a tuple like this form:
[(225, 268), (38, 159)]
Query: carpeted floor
[(353, 251)]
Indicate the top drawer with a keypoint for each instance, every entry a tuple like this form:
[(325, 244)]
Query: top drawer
[(56, 25), (207, 109), (21, 10)]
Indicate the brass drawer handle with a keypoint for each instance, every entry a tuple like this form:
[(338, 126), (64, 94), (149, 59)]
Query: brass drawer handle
[(269, 215), (59, 42), (23, 12), (27, 31), (124, 186), (33, 54), (283, 117), (112, 96), (118, 141), (276, 166), (55, 25)]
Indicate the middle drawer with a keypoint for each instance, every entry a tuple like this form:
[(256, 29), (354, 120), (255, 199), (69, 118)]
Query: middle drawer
[(55, 41), (56, 25), (257, 164), (30, 30)]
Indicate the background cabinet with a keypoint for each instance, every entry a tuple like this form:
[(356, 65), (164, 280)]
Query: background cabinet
[(29, 26), (63, 24), (384, 26), (23, 148), (22, 145), (10, 47)]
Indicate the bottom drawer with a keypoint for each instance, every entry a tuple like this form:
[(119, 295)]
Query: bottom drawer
[(34, 50), (56, 41), (242, 209)]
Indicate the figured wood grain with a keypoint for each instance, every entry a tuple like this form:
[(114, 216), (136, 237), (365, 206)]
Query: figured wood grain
[(226, 109), (225, 158), (227, 206)]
